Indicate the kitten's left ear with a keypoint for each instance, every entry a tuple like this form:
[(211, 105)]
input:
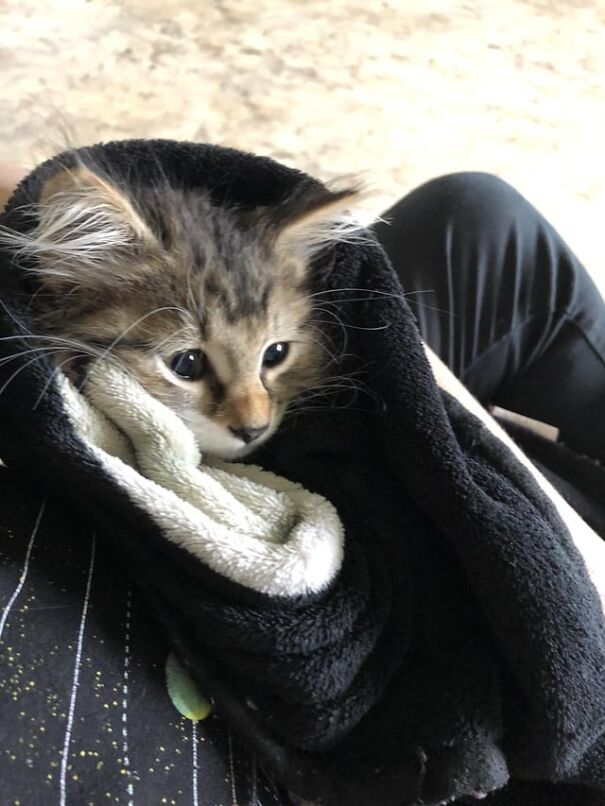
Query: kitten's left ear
[(88, 231), (317, 215)]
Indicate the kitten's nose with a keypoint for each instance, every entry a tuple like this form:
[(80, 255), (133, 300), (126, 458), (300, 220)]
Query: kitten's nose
[(249, 434)]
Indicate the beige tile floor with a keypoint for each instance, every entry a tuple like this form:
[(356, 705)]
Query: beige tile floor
[(403, 90)]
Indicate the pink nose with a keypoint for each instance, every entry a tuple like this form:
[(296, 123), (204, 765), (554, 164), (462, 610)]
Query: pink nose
[(249, 434)]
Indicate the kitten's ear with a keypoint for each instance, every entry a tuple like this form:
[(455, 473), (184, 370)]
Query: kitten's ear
[(88, 233), (318, 215)]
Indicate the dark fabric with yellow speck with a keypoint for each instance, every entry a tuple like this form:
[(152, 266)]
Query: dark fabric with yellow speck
[(82, 679)]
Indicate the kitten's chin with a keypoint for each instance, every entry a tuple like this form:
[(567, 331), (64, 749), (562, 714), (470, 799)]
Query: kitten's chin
[(240, 453), (216, 441)]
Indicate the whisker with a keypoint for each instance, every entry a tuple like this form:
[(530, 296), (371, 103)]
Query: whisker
[(52, 378), (319, 326), (106, 353), (376, 291), (384, 294), (360, 327), (20, 369), (53, 338), (23, 353), (338, 321), (367, 290), (371, 299), (333, 385), (161, 343), (20, 325), (320, 343)]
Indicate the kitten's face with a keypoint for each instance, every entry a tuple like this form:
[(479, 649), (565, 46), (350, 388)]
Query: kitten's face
[(229, 377), (208, 308)]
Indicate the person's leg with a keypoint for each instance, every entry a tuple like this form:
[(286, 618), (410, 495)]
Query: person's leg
[(503, 301)]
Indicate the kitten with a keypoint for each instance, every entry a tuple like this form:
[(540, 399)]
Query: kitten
[(208, 306)]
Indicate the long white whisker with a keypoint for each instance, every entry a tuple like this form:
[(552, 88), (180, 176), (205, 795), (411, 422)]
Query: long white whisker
[(321, 343), (59, 344), (369, 291), (59, 340), (52, 378), (22, 353), (12, 316), (338, 320), (380, 294), (7, 383), (319, 326), (358, 327), (331, 386)]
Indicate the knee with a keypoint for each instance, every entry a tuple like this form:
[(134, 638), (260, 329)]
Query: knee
[(473, 210), (469, 180), (474, 196)]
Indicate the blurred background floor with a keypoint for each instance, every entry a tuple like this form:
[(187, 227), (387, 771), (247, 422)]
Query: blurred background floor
[(402, 90)]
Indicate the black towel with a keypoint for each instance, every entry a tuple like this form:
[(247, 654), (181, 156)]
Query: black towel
[(461, 643)]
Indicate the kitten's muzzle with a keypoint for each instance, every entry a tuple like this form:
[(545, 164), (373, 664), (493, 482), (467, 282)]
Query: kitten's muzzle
[(247, 434)]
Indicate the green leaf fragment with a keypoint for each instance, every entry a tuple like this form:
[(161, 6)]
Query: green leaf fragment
[(183, 691)]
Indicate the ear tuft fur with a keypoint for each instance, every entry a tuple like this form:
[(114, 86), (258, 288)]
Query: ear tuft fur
[(86, 231), (316, 215)]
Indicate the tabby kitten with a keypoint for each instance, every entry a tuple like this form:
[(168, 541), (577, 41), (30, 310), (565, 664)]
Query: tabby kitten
[(208, 306)]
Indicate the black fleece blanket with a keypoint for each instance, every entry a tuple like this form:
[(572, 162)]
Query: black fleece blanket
[(461, 642)]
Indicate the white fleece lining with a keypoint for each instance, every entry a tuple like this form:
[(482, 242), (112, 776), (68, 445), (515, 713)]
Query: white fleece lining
[(248, 525)]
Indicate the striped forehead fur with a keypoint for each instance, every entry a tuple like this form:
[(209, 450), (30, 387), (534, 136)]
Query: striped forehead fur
[(93, 235)]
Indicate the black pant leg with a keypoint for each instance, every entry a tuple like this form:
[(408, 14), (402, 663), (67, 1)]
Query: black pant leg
[(501, 298)]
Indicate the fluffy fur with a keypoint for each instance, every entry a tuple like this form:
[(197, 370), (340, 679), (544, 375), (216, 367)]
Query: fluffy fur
[(144, 273)]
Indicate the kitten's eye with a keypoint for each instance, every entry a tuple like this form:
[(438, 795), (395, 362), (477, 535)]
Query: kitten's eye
[(190, 364), (275, 353)]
